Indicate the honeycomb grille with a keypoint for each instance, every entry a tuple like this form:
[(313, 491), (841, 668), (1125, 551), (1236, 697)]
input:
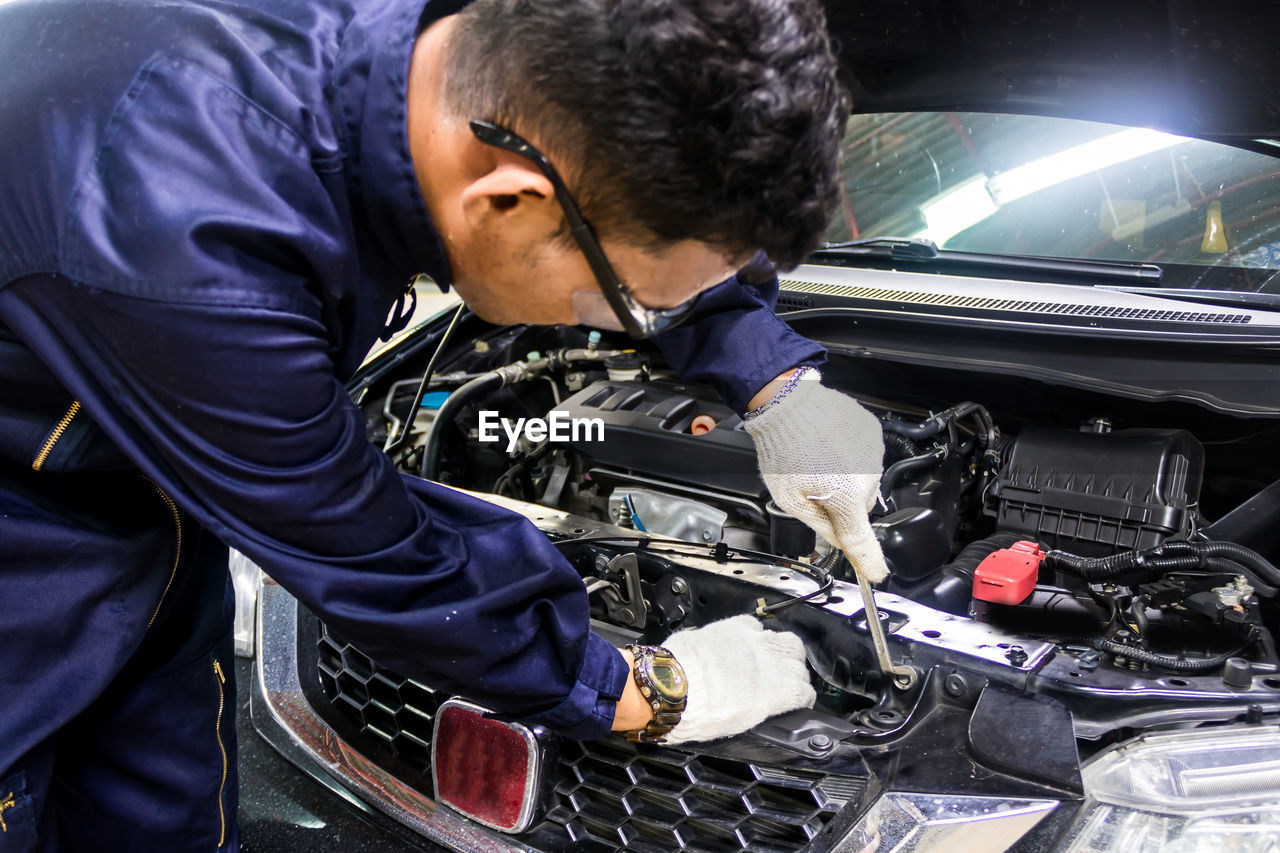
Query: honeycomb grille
[(609, 794), (399, 712), (649, 800)]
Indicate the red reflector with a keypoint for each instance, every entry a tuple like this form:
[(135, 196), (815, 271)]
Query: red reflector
[(1008, 576), (486, 769)]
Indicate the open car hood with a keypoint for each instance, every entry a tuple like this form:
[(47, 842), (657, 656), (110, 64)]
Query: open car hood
[(1194, 68)]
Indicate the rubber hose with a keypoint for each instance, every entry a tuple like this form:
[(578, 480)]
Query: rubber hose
[(899, 446), (961, 410), (1139, 611), (903, 466), (1102, 644), (482, 384), (927, 429), (986, 426)]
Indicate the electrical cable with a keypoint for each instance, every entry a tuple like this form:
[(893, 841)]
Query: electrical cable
[(395, 442), (1218, 557), (1141, 655)]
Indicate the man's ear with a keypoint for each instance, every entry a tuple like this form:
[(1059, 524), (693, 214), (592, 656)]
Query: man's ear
[(513, 194)]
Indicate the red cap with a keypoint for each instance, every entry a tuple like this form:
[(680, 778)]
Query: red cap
[(1009, 575)]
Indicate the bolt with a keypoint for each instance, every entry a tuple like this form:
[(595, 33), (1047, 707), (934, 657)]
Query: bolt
[(626, 615), (602, 562), (821, 743), (679, 586), (1016, 655), (707, 535), (1238, 673), (956, 685)]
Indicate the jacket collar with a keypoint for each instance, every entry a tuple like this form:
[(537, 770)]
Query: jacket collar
[(371, 77)]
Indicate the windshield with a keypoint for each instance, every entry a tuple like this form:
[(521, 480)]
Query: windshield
[(1209, 214)]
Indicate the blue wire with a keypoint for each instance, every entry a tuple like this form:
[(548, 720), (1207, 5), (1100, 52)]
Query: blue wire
[(635, 519)]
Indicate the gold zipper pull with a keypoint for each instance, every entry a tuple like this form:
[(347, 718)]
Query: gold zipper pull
[(217, 668)]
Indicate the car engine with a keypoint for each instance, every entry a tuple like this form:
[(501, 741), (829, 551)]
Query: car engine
[(1057, 544)]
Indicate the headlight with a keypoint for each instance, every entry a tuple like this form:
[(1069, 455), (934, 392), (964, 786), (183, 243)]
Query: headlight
[(246, 577), (1201, 791)]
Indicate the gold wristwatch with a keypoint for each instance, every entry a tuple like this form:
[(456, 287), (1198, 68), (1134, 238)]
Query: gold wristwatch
[(662, 684)]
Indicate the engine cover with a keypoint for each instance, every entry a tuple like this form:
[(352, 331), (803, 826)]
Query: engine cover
[(649, 429)]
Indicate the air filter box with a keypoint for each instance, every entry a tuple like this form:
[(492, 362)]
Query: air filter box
[(1096, 493)]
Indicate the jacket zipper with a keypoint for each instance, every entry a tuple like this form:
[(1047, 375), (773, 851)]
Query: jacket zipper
[(222, 814), (177, 551), (58, 430)]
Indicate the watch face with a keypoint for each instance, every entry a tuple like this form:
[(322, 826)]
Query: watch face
[(669, 679)]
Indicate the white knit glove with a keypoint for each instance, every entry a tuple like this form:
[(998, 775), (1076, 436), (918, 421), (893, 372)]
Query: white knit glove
[(739, 675), (821, 455)]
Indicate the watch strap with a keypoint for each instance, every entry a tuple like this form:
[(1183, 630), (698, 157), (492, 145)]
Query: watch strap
[(666, 711)]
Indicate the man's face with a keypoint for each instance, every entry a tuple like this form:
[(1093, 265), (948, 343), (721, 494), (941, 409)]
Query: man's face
[(518, 279)]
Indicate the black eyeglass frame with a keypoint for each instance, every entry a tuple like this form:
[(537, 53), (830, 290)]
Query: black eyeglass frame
[(638, 321)]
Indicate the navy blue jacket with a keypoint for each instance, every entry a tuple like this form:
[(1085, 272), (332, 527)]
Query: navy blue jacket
[(207, 210)]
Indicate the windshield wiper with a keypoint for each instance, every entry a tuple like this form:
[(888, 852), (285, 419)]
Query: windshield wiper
[(1228, 298), (925, 253)]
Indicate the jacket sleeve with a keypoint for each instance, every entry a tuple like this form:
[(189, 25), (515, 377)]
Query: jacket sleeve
[(238, 413), (736, 342)]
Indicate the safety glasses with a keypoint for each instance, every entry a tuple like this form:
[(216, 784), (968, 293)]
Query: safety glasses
[(635, 319)]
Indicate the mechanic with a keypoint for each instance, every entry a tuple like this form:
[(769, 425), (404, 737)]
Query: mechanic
[(210, 209)]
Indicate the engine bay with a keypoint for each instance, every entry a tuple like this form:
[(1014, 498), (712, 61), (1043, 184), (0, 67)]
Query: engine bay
[(1113, 555)]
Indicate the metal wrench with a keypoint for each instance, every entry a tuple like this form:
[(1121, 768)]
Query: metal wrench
[(903, 676)]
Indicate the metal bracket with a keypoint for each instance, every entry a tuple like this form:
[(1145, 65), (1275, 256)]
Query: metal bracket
[(632, 610)]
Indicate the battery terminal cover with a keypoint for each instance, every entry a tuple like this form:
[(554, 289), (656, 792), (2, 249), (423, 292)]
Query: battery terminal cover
[(1008, 576)]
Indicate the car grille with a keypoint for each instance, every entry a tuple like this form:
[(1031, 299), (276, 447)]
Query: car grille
[(609, 794), (398, 712), (652, 799)]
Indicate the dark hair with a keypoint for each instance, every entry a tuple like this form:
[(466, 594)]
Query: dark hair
[(717, 120)]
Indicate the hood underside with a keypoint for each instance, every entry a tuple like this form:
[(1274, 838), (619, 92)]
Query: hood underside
[(1194, 68)]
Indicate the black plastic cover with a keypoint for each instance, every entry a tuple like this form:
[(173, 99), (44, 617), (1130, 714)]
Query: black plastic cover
[(916, 541), (1096, 493), (1027, 735), (646, 431), (788, 535)]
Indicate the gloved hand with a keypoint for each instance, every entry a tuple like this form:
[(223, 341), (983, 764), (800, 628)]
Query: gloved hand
[(738, 674), (821, 455)]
